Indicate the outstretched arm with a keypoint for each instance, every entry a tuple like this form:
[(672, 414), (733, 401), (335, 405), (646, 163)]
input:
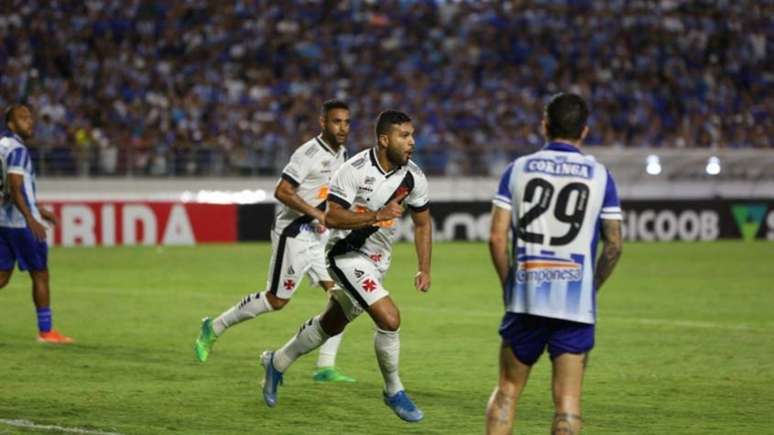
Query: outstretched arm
[(612, 243), (498, 241), (423, 241)]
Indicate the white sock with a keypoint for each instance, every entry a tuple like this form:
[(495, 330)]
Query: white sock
[(309, 338), (251, 306), (327, 357), (387, 346)]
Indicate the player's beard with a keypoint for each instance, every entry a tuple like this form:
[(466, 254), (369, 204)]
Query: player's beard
[(331, 139), (396, 156)]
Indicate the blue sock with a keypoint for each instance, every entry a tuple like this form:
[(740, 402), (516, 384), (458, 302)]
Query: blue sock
[(44, 319)]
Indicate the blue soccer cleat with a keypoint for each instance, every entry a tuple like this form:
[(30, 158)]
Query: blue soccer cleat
[(404, 407), (271, 379)]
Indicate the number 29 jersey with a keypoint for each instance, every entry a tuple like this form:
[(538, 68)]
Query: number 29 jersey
[(557, 197)]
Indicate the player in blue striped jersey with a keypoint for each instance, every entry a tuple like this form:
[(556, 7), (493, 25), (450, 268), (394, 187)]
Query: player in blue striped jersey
[(22, 228), (555, 203)]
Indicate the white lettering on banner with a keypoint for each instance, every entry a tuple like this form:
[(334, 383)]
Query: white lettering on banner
[(642, 226), (78, 226), (178, 230), (710, 228), (134, 214), (667, 225), (688, 225), (770, 223), (108, 215)]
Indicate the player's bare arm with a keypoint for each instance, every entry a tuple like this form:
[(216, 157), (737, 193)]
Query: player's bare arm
[(423, 241), (612, 246), (48, 215), (340, 218), (16, 184), (286, 194), (498, 241)]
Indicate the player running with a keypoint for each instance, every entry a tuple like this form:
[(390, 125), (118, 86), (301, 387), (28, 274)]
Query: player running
[(298, 237), (557, 201), (22, 231), (367, 196)]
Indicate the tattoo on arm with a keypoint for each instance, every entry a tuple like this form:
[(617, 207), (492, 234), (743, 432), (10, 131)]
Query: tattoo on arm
[(612, 246)]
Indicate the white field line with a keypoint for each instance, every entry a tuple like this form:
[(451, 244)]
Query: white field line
[(26, 424)]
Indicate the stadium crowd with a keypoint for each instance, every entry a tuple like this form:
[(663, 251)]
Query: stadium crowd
[(231, 87)]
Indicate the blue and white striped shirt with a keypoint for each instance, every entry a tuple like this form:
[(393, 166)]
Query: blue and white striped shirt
[(15, 159)]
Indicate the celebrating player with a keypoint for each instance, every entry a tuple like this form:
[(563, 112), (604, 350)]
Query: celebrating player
[(22, 231), (557, 201), (298, 237), (367, 196)]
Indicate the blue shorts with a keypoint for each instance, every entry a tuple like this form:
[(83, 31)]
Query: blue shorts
[(18, 244), (529, 335)]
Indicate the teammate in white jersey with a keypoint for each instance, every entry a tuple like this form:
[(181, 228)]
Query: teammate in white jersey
[(22, 231), (557, 201), (366, 197), (298, 237)]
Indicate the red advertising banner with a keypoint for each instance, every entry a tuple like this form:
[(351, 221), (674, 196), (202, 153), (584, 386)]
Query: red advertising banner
[(112, 223)]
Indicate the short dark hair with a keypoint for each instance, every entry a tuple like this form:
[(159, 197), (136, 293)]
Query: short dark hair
[(566, 116), (387, 119), (9, 113), (333, 104)]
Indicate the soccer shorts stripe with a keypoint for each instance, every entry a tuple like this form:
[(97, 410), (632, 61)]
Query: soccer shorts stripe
[(279, 257)]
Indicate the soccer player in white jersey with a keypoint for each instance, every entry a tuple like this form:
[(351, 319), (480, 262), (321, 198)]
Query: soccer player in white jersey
[(366, 197), (557, 202), (22, 228), (298, 237)]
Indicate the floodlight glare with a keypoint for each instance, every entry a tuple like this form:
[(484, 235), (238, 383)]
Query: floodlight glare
[(713, 166), (652, 165)]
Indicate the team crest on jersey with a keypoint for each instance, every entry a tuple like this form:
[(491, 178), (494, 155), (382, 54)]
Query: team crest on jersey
[(289, 284), (369, 285), (548, 267)]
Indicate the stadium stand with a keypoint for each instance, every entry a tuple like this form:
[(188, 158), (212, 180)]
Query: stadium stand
[(231, 87)]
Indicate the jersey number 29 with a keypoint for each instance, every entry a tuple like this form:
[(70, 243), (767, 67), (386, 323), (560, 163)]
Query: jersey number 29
[(574, 217)]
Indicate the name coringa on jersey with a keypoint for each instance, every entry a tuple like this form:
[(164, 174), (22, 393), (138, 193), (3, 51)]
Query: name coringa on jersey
[(560, 168), (557, 197)]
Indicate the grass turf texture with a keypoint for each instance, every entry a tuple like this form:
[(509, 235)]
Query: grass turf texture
[(684, 345)]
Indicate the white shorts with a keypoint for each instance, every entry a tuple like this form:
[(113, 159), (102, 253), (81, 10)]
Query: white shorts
[(359, 283), (291, 259)]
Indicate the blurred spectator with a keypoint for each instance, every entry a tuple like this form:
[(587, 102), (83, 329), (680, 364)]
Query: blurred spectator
[(230, 87)]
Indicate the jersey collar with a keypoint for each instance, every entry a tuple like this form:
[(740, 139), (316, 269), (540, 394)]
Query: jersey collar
[(375, 162), (561, 146), (8, 133), (322, 143)]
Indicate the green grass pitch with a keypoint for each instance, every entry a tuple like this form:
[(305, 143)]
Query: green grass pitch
[(684, 345)]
